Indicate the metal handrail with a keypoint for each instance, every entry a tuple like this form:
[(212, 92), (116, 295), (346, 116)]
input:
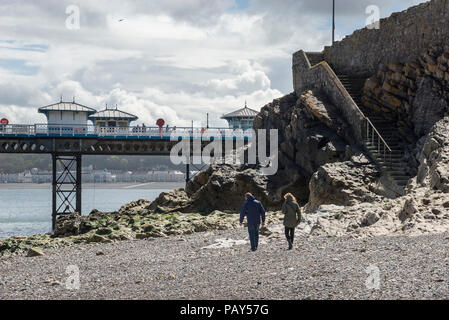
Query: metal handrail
[(379, 139)]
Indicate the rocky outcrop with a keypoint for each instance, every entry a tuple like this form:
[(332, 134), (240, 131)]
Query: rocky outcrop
[(424, 208), (69, 225), (220, 187), (414, 94), (344, 183), (133, 221), (434, 158), (169, 201), (311, 133), (226, 186)]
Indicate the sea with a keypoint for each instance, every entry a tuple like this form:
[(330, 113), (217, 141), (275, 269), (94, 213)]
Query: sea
[(25, 209)]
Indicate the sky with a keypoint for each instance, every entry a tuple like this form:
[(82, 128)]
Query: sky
[(172, 59)]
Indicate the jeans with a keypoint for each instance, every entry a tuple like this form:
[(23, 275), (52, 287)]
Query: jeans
[(253, 230), (290, 233)]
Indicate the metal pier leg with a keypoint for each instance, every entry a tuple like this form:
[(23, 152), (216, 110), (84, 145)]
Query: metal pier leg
[(256, 140), (187, 172), (66, 185), (78, 183), (54, 210)]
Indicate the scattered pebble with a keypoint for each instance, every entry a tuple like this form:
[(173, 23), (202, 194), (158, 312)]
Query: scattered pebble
[(166, 268)]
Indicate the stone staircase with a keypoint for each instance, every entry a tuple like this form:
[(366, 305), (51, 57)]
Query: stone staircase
[(393, 164)]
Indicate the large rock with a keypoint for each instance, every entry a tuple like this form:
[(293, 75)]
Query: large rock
[(35, 252), (343, 206), (170, 201), (220, 187), (343, 183), (434, 158), (69, 225), (135, 205), (226, 187), (311, 134)]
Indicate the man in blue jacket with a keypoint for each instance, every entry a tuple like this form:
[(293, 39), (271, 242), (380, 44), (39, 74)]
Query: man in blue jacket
[(255, 212)]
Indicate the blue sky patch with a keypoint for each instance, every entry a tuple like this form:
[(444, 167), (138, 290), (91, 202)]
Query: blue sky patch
[(19, 67), (240, 5), (18, 45)]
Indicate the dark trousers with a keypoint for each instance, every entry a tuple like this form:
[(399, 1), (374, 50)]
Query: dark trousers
[(253, 230), (290, 233)]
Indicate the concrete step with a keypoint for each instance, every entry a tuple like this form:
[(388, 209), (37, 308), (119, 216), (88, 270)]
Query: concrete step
[(394, 153), (395, 161), (393, 146), (390, 128), (386, 164), (386, 160), (385, 136), (391, 169), (375, 145), (375, 150), (391, 143)]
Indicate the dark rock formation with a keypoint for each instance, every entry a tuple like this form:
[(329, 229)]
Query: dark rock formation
[(343, 183), (226, 187), (168, 201), (415, 94), (221, 187), (311, 133), (69, 225)]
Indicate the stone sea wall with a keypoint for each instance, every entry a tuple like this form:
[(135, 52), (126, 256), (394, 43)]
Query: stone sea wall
[(402, 37)]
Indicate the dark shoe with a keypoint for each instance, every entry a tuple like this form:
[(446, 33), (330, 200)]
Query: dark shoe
[(290, 245)]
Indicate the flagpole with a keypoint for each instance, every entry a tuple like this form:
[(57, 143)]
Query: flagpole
[(333, 22)]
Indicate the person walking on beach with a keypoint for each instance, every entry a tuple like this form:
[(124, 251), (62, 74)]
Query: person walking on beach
[(255, 214), (292, 217)]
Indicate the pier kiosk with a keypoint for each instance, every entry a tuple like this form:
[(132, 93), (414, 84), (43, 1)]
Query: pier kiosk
[(112, 120), (66, 117)]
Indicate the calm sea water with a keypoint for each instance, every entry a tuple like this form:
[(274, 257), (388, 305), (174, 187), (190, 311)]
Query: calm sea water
[(28, 211)]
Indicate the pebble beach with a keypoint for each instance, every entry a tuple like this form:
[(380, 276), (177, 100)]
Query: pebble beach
[(217, 265)]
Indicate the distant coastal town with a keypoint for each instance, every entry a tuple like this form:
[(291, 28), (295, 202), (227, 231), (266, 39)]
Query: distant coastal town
[(91, 175)]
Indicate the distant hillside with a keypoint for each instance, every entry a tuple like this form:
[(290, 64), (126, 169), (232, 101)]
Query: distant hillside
[(15, 163)]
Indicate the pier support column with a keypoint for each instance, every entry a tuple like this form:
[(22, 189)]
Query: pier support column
[(54, 197), (187, 173), (66, 185), (78, 182)]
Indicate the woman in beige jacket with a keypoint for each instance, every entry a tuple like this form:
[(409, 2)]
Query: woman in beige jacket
[(292, 217)]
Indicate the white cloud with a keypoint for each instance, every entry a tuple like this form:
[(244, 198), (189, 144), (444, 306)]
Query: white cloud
[(248, 78)]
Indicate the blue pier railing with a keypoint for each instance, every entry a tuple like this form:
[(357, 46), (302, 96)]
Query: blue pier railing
[(119, 133)]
